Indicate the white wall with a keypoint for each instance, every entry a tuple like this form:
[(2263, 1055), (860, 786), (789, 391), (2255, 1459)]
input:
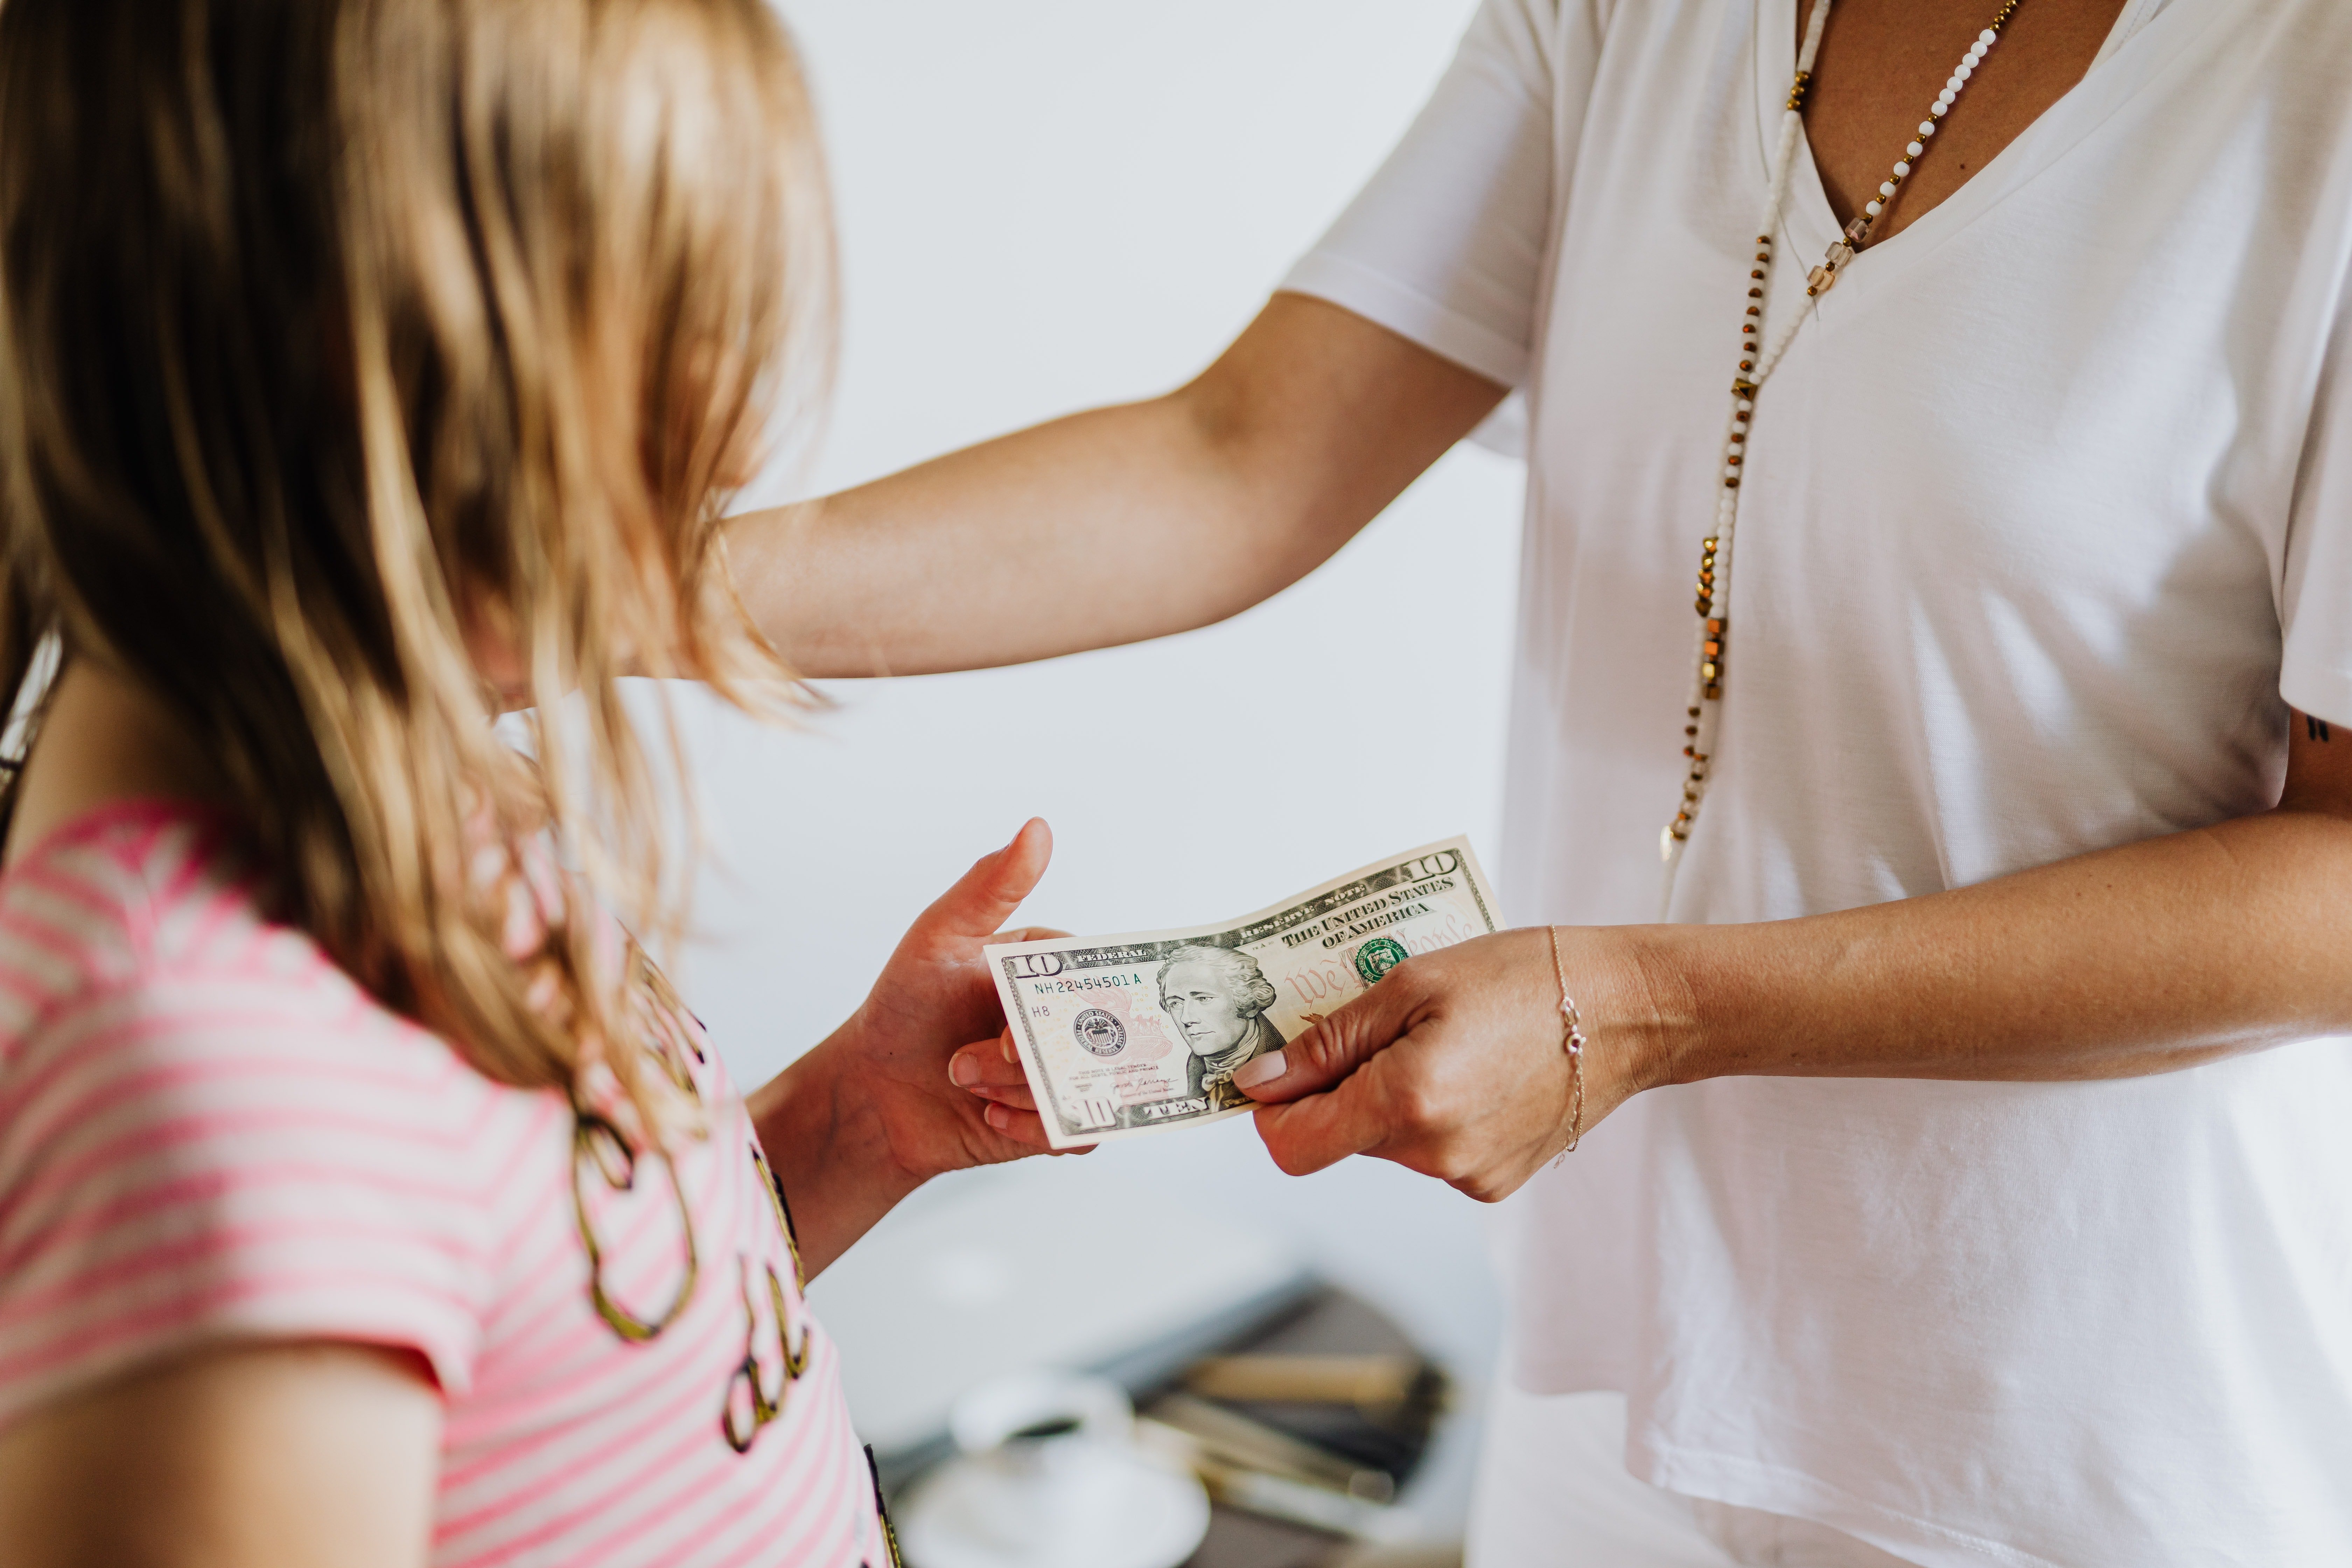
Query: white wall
[(1046, 204)]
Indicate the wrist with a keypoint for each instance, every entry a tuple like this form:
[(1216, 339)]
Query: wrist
[(821, 1130), (1636, 1004)]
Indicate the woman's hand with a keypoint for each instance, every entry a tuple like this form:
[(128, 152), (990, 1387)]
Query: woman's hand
[(1454, 1065), (871, 1114)]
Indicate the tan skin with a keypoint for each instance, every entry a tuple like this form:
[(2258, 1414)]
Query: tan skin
[(1881, 65), (1171, 513)]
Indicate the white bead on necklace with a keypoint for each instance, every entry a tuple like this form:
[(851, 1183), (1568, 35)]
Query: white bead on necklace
[(1756, 363)]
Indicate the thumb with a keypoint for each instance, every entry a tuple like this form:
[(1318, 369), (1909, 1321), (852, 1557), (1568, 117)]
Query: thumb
[(1334, 1046), (984, 897)]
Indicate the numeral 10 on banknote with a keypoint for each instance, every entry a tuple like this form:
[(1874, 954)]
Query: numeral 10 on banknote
[(1126, 1035)]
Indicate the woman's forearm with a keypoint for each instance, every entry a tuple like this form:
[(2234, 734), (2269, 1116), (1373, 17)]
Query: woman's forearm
[(1102, 528), (1116, 526), (2142, 959)]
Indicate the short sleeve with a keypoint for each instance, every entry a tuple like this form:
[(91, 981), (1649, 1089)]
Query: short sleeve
[(259, 1154), (2316, 593), (1446, 245)]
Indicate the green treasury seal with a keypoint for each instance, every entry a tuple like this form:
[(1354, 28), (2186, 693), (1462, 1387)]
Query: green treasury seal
[(1377, 957)]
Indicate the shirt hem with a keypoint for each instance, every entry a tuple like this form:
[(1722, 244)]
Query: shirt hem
[(2315, 689), (1409, 314), (1750, 1483), (447, 1365)]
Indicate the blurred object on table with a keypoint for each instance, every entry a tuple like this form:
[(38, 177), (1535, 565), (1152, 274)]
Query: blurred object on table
[(1370, 1382), (1315, 1421), (1400, 1557), (1374, 1410), (1304, 1409), (1038, 1269), (1049, 1476), (1299, 1482)]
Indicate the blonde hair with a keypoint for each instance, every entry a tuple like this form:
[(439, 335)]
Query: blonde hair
[(340, 339)]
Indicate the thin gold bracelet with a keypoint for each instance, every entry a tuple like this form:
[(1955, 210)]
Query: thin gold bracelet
[(1572, 1039)]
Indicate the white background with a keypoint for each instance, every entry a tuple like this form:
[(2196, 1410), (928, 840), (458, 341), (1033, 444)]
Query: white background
[(1045, 204)]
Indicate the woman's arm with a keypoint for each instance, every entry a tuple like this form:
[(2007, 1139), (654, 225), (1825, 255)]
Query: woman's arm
[(269, 1457), (1118, 524), (2143, 959)]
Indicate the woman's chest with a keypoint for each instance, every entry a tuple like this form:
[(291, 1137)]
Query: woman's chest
[(2093, 368)]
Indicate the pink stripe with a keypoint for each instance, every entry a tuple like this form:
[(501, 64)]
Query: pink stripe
[(74, 887), (141, 1078), (523, 1140), (134, 1151), (140, 823), (223, 1241), (207, 943), (814, 1463), (206, 940), (92, 1044), (704, 1487), (28, 929), (561, 1325), (174, 1315), (417, 1067), (838, 1443), (698, 1349), (617, 1440), (651, 1500), (198, 866)]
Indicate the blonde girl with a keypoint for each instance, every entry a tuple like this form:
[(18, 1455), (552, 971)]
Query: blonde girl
[(367, 367)]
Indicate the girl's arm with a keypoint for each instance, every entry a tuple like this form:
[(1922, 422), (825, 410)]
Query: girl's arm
[(268, 1457), (872, 1114), (2143, 959), (1118, 524)]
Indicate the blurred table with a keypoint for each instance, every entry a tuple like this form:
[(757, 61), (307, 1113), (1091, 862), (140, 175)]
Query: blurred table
[(1322, 1320), (1330, 1322)]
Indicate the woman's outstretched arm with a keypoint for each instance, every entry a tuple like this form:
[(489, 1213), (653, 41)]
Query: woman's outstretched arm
[(1118, 524), (2146, 958)]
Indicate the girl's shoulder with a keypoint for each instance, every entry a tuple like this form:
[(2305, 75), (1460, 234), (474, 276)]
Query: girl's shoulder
[(136, 949), (208, 1130), (140, 927)]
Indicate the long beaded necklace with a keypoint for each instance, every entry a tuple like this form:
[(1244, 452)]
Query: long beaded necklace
[(1757, 362)]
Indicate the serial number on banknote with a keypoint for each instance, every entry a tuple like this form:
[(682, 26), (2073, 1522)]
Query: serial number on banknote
[(1091, 982)]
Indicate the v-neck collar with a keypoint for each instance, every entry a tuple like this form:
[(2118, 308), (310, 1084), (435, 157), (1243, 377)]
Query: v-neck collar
[(2153, 48)]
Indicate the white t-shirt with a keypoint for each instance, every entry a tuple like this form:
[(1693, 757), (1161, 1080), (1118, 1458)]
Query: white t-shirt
[(2047, 516)]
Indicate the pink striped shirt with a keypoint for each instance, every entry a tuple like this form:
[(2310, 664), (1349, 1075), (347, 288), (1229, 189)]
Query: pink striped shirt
[(209, 1133)]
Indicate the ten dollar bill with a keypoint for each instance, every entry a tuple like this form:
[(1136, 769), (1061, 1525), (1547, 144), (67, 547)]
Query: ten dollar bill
[(1126, 1035)]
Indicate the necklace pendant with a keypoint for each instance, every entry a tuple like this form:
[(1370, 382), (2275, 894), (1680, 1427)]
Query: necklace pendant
[(1823, 279)]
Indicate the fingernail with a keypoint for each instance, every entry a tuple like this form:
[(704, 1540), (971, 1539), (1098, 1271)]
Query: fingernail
[(962, 1071), (1011, 1056), (1260, 1069), (999, 1118)]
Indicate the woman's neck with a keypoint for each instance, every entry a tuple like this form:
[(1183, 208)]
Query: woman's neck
[(104, 739)]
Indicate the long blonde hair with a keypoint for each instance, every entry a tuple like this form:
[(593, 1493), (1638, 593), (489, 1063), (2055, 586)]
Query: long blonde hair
[(340, 339)]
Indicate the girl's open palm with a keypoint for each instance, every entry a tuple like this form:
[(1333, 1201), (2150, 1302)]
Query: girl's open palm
[(935, 996)]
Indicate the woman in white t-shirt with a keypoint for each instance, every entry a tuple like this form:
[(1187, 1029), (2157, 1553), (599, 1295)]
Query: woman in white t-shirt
[(1973, 1186)]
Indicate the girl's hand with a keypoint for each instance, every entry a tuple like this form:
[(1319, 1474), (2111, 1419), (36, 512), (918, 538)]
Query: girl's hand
[(1454, 1063), (933, 995)]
